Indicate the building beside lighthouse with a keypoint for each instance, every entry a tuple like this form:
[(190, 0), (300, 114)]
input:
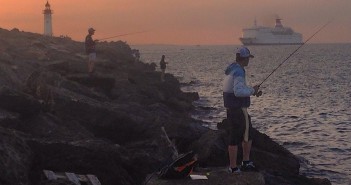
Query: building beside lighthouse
[(47, 20)]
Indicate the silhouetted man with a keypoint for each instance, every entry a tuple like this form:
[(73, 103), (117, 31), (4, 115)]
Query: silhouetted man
[(236, 95)]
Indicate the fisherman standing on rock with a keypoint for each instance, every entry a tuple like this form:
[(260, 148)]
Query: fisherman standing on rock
[(90, 50), (236, 95), (163, 67)]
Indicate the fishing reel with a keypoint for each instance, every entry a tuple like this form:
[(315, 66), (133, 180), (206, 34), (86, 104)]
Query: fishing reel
[(258, 94)]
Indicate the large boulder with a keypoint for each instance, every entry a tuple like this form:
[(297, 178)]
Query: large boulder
[(19, 102), (266, 153), (107, 161), (216, 176)]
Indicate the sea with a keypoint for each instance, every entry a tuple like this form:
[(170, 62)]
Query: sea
[(306, 101)]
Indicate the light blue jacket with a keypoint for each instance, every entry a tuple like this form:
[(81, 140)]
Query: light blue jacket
[(236, 94)]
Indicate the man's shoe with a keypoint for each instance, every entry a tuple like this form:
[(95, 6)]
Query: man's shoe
[(248, 166), (234, 170)]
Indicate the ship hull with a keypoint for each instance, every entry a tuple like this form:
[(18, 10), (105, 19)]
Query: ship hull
[(269, 39), (269, 44)]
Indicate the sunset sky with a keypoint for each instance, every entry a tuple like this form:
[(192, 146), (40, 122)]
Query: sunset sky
[(179, 21)]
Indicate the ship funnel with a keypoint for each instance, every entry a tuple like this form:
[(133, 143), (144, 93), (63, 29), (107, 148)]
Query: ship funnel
[(278, 23)]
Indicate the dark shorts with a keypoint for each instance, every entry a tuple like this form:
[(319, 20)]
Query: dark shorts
[(237, 126)]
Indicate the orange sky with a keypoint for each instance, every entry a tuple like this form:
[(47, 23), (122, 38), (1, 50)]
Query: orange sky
[(179, 21)]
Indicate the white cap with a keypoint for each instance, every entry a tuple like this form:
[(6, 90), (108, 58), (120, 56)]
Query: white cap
[(244, 52)]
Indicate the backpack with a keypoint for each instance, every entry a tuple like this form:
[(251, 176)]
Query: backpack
[(180, 167)]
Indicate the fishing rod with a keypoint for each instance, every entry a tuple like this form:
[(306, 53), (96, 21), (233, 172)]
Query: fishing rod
[(122, 35), (295, 51)]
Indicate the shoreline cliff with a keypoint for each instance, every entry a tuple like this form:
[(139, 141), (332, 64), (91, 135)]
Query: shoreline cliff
[(54, 116)]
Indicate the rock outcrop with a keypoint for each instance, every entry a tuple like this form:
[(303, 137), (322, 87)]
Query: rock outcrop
[(55, 116)]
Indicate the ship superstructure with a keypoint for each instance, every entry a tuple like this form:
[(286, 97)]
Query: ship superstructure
[(279, 35)]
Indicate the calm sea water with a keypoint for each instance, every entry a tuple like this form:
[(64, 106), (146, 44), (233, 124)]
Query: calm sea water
[(306, 102)]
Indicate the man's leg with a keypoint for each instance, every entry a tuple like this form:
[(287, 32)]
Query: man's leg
[(92, 65), (233, 153), (89, 65), (163, 75), (90, 61), (247, 142), (246, 150), (234, 139), (247, 165)]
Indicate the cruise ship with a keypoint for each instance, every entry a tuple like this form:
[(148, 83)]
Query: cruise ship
[(279, 35)]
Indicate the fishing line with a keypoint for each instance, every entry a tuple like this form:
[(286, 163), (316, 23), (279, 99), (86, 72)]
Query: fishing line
[(122, 35), (295, 51)]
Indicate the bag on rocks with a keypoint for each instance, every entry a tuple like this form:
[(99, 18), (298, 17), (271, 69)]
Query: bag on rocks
[(180, 167)]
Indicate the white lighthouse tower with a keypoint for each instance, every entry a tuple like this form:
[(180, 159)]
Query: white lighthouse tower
[(47, 20)]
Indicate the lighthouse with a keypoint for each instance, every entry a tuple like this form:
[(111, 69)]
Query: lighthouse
[(47, 20)]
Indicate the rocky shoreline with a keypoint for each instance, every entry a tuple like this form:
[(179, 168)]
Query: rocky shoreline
[(55, 116)]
